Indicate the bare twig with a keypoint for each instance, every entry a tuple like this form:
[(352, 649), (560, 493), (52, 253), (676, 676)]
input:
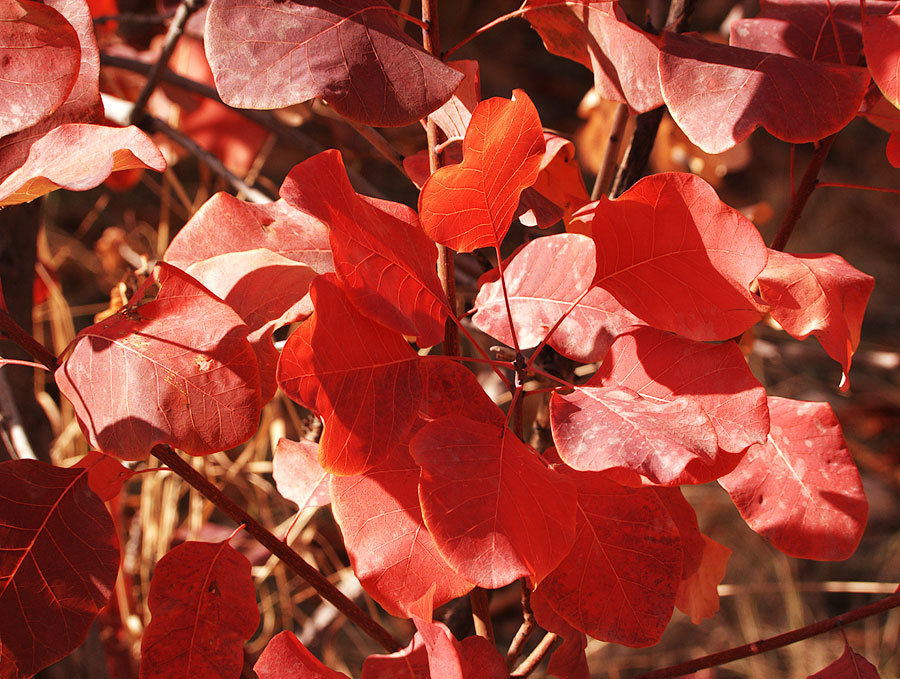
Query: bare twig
[(525, 629), (268, 540), (530, 663), (380, 144), (294, 137), (611, 152), (211, 161), (176, 29), (757, 647), (804, 191), (17, 334)]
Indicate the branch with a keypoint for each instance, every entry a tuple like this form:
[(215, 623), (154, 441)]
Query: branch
[(176, 29), (294, 137), (17, 334), (205, 157), (530, 663), (716, 659), (803, 192), (611, 152), (280, 549)]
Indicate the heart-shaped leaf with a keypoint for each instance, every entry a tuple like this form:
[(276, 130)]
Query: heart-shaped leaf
[(719, 94), (881, 34), (362, 378), (495, 511), (471, 205), (177, 370), (203, 603), (61, 557), (679, 258), (351, 53), (284, 657), (800, 490), (819, 295)]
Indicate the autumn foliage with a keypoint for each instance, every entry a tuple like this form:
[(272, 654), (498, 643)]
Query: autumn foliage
[(433, 488)]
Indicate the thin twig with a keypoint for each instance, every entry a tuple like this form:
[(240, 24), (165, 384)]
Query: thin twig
[(611, 152), (16, 333), (803, 192), (380, 144), (525, 629), (296, 138), (757, 647), (210, 160), (534, 659), (268, 540), (176, 29)]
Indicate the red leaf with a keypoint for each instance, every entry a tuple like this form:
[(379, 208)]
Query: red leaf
[(801, 490), (719, 94), (409, 663), (453, 117), (679, 258), (682, 513), (892, 150), (495, 511), (386, 265), (820, 295), (663, 367), (392, 553), (452, 389), (105, 474), (559, 188), (807, 30), (286, 658), (881, 35), (41, 56), (83, 102), (851, 665), (298, 475), (618, 582), (566, 263), (267, 290), (698, 595), (471, 205), (153, 374), (471, 658), (614, 428), (60, 560), (225, 224), (362, 378), (599, 36), (269, 54), (78, 157), (203, 603)]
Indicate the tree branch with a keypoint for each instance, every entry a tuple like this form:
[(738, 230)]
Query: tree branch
[(722, 657), (17, 334), (280, 549)]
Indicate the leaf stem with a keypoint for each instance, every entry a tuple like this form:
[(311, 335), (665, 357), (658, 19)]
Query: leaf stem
[(176, 30), (804, 191), (861, 187), (757, 647), (525, 629), (280, 549), (17, 334)]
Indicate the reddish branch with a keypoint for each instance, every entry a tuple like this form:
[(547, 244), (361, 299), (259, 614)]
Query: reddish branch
[(176, 29), (280, 549), (803, 192), (17, 334), (716, 659), (530, 663)]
